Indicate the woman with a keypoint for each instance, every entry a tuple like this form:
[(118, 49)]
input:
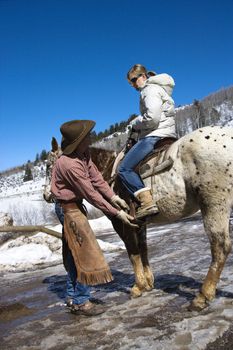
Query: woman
[(156, 121)]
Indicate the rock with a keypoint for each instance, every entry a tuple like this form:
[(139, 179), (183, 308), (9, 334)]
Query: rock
[(6, 219)]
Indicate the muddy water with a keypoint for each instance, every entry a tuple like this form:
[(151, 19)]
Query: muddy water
[(33, 314)]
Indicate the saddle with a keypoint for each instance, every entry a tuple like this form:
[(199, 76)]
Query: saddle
[(154, 163)]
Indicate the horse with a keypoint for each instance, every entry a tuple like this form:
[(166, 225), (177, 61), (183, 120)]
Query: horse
[(198, 175)]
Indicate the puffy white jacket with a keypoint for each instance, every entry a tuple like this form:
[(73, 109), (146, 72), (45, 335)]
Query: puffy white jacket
[(157, 108)]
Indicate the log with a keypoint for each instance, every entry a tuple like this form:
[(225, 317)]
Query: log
[(28, 229)]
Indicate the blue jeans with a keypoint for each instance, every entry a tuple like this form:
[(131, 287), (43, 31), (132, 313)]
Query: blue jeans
[(75, 290), (138, 152)]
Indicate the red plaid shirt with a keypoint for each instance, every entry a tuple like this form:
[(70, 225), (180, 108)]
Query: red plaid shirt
[(76, 178)]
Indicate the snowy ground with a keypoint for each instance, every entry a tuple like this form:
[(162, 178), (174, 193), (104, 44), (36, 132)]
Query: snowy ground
[(33, 315), (32, 311)]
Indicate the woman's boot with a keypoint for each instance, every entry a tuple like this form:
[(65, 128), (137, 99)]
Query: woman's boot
[(147, 206)]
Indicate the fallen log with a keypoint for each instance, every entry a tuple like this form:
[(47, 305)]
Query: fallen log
[(28, 229)]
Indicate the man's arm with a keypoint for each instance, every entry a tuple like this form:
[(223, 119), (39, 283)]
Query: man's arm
[(81, 183)]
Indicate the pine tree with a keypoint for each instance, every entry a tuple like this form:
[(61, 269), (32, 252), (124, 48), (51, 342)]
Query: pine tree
[(93, 136), (43, 155), (28, 173), (37, 159)]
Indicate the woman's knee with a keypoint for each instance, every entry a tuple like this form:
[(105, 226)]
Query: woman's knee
[(123, 169)]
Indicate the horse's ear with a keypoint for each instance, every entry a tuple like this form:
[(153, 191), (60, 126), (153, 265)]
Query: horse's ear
[(54, 144)]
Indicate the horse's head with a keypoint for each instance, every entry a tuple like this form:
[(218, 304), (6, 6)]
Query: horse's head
[(53, 154)]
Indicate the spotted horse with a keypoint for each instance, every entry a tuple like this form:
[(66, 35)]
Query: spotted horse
[(198, 176)]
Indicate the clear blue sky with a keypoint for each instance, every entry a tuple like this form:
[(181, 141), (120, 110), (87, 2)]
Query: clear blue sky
[(67, 59)]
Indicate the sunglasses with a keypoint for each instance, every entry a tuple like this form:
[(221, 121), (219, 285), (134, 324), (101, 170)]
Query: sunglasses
[(133, 80)]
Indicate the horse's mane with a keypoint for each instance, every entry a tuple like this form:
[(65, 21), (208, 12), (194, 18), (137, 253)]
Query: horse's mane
[(104, 160)]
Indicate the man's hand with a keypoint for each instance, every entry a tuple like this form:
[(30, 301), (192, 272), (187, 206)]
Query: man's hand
[(119, 203), (126, 218)]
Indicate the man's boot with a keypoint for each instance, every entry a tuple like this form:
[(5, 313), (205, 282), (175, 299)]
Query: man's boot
[(147, 207)]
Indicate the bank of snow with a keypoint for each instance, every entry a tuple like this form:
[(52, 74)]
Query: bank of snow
[(40, 250)]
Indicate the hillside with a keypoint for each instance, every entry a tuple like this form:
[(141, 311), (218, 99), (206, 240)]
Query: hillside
[(215, 109), (14, 184)]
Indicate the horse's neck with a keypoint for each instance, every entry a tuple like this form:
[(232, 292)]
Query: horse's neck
[(104, 160)]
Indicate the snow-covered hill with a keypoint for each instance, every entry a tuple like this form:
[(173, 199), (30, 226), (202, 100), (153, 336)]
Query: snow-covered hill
[(226, 114), (14, 185)]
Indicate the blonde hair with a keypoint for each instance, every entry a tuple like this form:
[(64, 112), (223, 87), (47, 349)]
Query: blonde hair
[(137, 70)]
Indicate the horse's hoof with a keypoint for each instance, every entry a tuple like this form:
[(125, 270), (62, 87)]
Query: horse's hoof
[(148, 288), (198, 304), (135, 292)]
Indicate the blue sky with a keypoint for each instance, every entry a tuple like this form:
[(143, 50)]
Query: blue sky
[(67, 59)]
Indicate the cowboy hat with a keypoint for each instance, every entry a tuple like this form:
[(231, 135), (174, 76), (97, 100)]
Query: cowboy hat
[(73, 132)]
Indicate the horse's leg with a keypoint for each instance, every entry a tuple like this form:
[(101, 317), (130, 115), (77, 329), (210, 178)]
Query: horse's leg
[(142, 243), (130, 238), (216, 223), (140, 284)]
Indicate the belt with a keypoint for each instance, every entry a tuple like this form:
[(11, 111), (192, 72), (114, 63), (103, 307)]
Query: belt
[(66, 206)]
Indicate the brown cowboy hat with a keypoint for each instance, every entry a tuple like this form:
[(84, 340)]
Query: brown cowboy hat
[(73, 132)]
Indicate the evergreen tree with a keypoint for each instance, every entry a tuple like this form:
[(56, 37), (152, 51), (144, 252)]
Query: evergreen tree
[(116, 127), (37, 159), (131, 117), (93, 136), (122, 126), (100, 135), (43, 155), (28, 173), (111, 130)]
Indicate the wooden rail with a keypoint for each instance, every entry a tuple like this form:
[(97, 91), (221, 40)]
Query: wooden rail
[(27, 229)]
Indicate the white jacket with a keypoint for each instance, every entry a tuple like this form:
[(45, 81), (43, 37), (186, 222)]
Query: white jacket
[(157, 108)]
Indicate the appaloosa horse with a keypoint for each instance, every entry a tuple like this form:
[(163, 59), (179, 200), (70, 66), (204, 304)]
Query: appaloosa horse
[(199, 176)]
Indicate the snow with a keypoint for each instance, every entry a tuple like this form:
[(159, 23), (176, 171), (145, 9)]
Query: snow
[(101, 224), (26, 254), (22, 254), (24, 202), (29, 252), (225, 110), (179, 256)]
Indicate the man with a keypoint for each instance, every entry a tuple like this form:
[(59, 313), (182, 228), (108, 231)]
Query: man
[(75, 177)]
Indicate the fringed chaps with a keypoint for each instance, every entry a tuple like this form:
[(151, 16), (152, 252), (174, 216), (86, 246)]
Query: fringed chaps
[(89, 260)]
